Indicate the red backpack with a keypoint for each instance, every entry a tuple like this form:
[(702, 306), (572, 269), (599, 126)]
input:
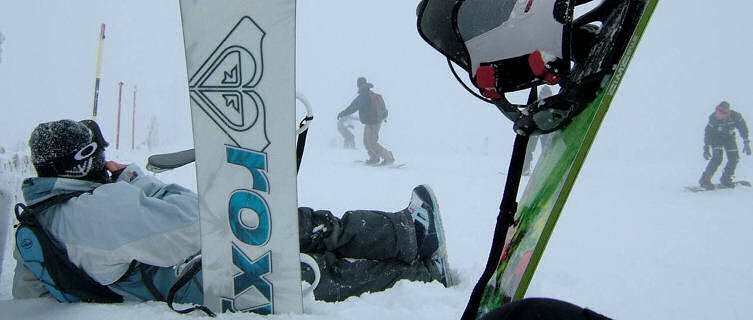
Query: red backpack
[(378, 104)]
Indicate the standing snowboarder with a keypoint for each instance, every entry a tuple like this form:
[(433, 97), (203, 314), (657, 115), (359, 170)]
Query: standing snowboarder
[(720, 136), (366, 103)]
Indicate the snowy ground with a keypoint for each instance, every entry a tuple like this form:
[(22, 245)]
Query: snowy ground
[(630, 243)]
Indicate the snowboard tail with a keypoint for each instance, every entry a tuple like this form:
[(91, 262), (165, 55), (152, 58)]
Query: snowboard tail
[(555, 173)]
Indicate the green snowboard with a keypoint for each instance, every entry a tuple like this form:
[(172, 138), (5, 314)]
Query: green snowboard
[(550, 184)]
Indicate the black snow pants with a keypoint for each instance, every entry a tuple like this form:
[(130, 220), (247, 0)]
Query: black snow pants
[(364, 251), (730, 146)]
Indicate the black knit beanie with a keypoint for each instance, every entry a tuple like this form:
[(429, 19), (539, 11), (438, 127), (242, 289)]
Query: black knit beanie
[(69, 149)]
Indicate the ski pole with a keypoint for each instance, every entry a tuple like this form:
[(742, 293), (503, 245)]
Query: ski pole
[(97, 72)]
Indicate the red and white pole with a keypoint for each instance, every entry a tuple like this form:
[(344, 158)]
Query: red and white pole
[(117, 133)]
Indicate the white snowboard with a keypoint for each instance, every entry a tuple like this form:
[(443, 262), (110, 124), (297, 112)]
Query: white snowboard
[(240, 57)]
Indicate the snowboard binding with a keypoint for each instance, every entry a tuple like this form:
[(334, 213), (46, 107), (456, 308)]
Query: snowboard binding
[(508, 46)]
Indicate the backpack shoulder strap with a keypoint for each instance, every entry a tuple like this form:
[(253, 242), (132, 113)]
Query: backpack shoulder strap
[(26, 213)]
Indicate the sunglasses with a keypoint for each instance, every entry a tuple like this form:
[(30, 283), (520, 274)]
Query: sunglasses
[(59, 165)]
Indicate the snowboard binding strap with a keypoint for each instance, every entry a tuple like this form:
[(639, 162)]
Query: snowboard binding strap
[(505, 219), (504, 51)]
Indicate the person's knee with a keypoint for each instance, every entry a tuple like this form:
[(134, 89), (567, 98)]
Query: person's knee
[(314, 227), (733, 157), (716, 160)]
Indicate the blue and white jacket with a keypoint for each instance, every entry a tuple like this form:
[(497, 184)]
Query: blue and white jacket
[(137, 217)]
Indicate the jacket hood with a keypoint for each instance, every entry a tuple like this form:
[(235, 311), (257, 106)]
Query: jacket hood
[(36, 190)]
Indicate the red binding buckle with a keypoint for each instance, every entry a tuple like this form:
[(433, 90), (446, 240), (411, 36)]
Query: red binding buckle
[(485, 81), (539, 69)]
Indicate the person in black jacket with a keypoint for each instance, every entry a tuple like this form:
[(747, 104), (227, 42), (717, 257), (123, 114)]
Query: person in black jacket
[(720, 136)]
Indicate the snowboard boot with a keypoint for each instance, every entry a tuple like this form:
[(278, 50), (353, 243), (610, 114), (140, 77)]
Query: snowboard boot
[(705, 182), (372, 161), (443, 270), (726, 181), (387, 161), (424, 211)]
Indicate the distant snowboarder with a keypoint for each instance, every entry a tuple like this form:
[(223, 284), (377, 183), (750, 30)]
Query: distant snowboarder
[(344, 126), (720, 136), (366, 103)]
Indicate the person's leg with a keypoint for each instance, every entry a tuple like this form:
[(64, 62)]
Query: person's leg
[(360, 234), (342, 277), (348, 137), (368, 143), (378, 148), (716, 159), (733, 155), (368, 250)]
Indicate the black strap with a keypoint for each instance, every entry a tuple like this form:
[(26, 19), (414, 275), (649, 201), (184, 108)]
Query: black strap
[(148, 280), (505, 218), (45, 204), (301, 143), (187, 276)]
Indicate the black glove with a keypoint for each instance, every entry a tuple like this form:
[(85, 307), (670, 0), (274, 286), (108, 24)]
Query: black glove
[(746, 147), (340, 115), (706, 152)]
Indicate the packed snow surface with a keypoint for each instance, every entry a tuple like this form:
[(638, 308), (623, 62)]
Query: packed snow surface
[(631, 243)]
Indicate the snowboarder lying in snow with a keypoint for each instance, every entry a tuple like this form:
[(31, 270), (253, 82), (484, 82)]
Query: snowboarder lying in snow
[(134, 234)]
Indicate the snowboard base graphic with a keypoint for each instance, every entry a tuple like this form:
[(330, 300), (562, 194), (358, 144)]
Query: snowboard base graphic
[(552, 180)]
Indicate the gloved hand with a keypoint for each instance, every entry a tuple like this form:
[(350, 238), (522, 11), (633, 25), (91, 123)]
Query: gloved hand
[(115, 169), (706, 152), (746, 147), (340, 115)]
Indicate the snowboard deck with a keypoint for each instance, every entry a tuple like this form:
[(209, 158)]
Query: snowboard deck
[(395, 165), (738, 183), (240, 58), (551, 182)]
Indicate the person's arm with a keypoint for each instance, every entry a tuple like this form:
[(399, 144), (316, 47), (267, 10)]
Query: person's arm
[(742, 127), (709, 131), (353, 107)]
